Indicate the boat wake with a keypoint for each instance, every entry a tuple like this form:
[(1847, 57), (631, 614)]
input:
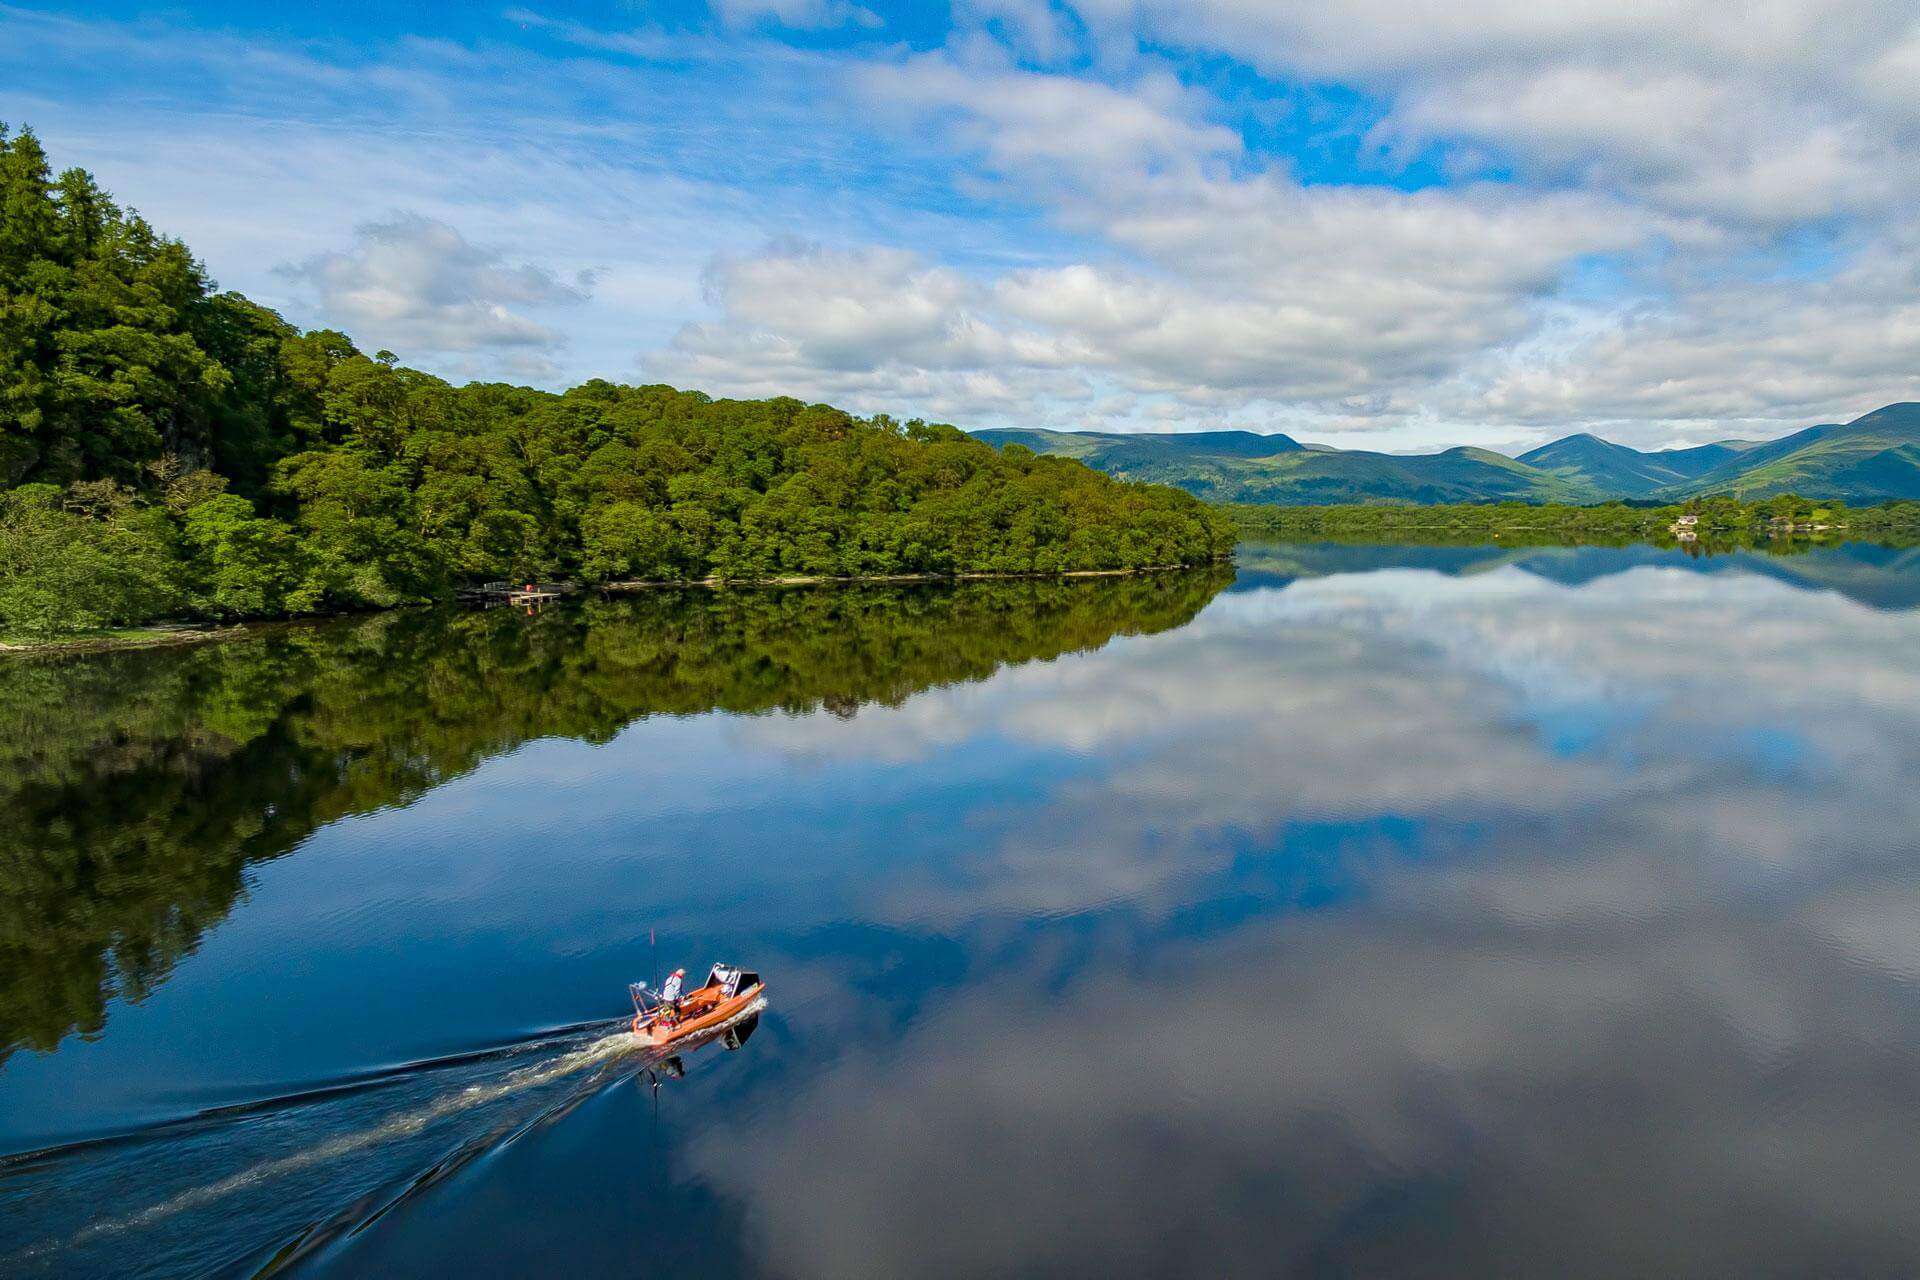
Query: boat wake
[(261, 1184)]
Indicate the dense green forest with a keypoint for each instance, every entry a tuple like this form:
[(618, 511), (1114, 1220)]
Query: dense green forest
[(139, 786), (167, 450), (1728, 521)]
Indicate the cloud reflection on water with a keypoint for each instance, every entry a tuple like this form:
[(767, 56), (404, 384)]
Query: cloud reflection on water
[(1634, 994)]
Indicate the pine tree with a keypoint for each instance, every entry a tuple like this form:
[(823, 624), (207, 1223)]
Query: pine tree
[(29, 218), (29, 223)]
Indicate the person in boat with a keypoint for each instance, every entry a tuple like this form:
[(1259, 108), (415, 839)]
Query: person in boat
[(670, 993)]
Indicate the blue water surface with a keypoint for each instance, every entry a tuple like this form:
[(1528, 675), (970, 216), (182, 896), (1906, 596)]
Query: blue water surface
[(1444, 909)]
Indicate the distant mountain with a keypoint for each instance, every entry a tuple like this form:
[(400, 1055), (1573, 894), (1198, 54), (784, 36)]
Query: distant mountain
[(1870, 459), (1617, 471), (1241, 466), (1864, 461), (1110, 450)]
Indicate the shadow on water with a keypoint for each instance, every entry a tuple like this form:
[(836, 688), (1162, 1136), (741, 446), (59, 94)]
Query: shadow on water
[(143, 784)]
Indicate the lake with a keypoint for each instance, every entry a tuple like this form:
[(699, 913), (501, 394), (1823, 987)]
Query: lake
[(1443, 910)]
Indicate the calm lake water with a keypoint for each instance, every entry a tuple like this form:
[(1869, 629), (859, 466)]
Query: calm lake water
[(1380, 910)]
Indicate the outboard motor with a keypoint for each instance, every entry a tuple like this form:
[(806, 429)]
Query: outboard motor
[(736, 1035)]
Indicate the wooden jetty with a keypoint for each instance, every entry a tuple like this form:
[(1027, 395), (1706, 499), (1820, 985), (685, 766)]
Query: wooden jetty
[(521, 593)]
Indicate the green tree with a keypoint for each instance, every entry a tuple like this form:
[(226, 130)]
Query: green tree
[(355, 524), (100, 369), (84, 560), (357, 482), (243, 566)]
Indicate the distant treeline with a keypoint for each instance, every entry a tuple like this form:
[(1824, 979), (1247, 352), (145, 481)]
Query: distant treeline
[(1723, 519), (166, 451)]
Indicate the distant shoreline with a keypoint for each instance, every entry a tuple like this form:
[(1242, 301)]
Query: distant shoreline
[(1786, 519)]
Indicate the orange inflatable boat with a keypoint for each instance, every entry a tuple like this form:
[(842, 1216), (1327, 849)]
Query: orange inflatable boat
[(727, 993)]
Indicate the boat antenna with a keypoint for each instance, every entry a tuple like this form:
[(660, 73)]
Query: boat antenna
[(653, 958)]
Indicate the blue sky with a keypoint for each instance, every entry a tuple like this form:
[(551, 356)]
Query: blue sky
[(1380, 225)]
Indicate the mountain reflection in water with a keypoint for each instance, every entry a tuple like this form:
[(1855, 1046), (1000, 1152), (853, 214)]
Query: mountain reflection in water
[(1540, 917), (1885, 577)]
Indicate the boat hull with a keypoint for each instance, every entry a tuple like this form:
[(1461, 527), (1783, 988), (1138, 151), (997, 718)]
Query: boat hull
[(696, 1016)]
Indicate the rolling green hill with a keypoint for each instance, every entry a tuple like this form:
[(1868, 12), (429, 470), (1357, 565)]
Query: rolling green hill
[(1871, 459), (1147, 448), (1618, 471), (1240, 466)]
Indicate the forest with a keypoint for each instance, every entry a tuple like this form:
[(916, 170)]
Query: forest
[(169, 451)]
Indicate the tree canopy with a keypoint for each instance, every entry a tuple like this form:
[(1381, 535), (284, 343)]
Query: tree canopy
[(225, 464)]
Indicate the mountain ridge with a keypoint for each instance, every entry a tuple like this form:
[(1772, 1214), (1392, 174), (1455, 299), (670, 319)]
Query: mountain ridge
[(1626, 471), (1874, 458)]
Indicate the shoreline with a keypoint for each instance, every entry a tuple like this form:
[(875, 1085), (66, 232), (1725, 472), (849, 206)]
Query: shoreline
[(159, 636), (169, 635), (818, 579)]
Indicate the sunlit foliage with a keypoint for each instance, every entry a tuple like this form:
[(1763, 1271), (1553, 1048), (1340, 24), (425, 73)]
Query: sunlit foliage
[(235, 467)]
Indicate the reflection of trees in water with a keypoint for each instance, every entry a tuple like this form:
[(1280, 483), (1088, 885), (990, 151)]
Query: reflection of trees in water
[(139, 785)]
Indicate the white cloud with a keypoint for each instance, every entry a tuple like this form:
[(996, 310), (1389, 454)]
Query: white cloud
[(872, 329), (801, 15), (1050, 127), (849, 309), (1691, 105), (1350, 38), (1723, 147), (414, 283), (1730, 356), (1321, 293), (1038, 29), (1657, 219), (1249, 289)]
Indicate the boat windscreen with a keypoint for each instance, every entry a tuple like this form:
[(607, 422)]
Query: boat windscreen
[(730, 980)]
